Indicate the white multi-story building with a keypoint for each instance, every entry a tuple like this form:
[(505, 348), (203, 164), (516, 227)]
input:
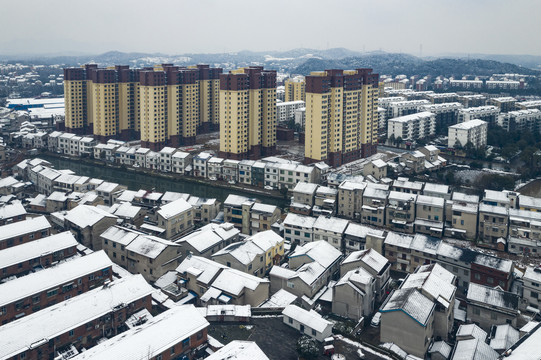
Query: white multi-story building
[(487, 113), (473, 131), (412, 127), (521, 120), (286, 110), (466, 84), (401, 108)]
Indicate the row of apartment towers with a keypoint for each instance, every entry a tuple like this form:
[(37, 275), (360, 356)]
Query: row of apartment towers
[(168, 105)]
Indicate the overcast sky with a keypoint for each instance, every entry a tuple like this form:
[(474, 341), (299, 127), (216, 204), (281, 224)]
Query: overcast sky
[(209, 26)]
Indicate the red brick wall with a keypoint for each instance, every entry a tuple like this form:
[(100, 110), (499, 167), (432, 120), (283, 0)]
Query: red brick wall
[(18, 240), (45, 262), (28, 305)]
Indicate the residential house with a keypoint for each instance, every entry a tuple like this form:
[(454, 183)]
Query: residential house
[(493, 225), (209, 239), (87, 223), (176, 218), (407, 320), (308, 323), (214, 168), (298, 229), (531, 289), (78, 322), (230, 170), (188, 338), (376, 168), (24, 231), (42, 253), (430, 215), (42, 289), (400, 211), (330, 229), (325, 201), (311, 267), (489, 306), (166, 158), (360, 237), (353, 296), (12, 213), (255, 255), (350, 199), (374, 204), (200, 162), (375, 264), (181, 162), (262, 216), (205, 210)]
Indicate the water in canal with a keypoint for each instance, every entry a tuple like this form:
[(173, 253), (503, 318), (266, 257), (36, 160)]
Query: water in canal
[(135, 181)]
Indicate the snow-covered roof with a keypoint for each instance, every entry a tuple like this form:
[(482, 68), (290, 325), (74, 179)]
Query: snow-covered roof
[(31, 250), (319, 251), (310, 318), (209, 236), (235, 200), (469, 331), (107, 187), (25, 286), (504, 337), (204, 269), (280, 299), (361, 231), (370, 257), (27, 226), (532, 274), (411, 302), (233, 281), (440, 347), (167, 150), (352, 185), (149, 246), (246, 251), (174, 208), (430, 283), (458, 196), (302, 221), (474, 349), (11, 210), (376, 193), (399, 240), (152, 338), (85, 215), (239, 350), (529, 201), (492, 297), (494, 262), (430, 201), (331, 224), (264, 208), (467, 125), (355, 277)]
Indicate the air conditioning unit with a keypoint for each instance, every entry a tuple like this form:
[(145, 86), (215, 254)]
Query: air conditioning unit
[(97, 326)]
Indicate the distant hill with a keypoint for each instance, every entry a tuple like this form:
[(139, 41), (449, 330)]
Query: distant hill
[(303, 61), (397, 64)]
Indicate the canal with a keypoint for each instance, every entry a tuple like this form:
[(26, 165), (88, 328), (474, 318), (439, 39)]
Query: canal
[(139, 180)]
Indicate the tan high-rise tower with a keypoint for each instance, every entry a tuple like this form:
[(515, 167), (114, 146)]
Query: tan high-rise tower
[(248, 113), (341, 116), (295, 89), (168, 105)]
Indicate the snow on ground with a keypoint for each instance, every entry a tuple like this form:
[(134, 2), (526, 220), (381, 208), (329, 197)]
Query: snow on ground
[(361, 346)]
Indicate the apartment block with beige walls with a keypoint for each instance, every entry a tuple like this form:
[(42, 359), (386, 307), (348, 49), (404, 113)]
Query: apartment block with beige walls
[(248, 113), (295, 89), (162, 105), (341, 115)]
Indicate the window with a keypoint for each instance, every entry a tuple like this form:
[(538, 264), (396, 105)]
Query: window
[(70, 333), (159, 357), (493, 316), (185, 343), (476, 311), (477, 276), (290, 320)]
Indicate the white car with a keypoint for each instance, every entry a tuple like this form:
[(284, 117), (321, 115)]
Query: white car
[(376, 319)]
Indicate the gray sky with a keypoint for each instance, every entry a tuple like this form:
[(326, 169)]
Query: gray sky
[(207, 26)]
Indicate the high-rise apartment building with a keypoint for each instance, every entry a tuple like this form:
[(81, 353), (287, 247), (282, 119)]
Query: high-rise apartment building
[(295, 89), (163, 105), (341, 115), (248, 113)]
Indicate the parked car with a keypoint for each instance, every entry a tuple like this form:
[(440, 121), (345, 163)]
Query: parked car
[(376, 319)]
